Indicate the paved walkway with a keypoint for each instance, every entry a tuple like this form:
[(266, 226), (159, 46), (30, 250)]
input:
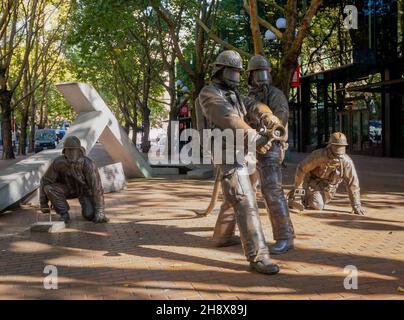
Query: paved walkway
[(7, 163), (155, 248)]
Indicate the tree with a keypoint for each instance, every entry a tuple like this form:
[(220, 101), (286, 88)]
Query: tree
[(12, 35), (121, 64), (327, 43), (32, 34), (291, 39), (255, 28)]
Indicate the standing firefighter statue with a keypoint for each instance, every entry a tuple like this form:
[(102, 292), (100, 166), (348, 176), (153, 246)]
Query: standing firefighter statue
[(73, 175), (318, 176), (224, 108), (269, 164)]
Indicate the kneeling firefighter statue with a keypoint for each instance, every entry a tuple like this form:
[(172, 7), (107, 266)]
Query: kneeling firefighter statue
[(73, 175), (224, 108), (318, 176)]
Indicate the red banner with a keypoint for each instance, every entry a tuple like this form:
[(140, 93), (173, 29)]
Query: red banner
[(184, 112), (296, 78)]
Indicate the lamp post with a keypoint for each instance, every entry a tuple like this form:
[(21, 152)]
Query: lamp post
[(273, 45), (269, 35), (281, 24), (272, 40)]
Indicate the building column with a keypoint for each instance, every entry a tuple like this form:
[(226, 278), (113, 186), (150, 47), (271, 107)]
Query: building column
[(386, 116), (304, 116)]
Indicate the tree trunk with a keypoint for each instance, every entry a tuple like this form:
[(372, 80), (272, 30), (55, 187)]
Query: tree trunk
[(44, 107), (134, 124), (173, 102), (134, 135), (6, 129), (32, 130), (146, 111), (146, 128), (255, 28), (22, 141), (285, 72), (126, 127), (172, 117)]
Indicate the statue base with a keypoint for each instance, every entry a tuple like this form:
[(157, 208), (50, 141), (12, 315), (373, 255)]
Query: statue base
[(48, 226)]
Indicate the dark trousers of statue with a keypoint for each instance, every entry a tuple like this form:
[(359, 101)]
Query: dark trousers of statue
[(59, 193), (242, 209)]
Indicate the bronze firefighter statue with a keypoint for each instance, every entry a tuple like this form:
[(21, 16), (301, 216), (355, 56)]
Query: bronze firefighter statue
[(224, 108), (318, 176), (73, 175), (269, 164), (269, 168)]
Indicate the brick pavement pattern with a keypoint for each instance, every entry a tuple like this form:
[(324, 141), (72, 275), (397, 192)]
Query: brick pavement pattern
[(155, 248)]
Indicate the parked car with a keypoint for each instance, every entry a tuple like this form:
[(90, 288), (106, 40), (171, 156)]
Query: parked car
[(45, 139)]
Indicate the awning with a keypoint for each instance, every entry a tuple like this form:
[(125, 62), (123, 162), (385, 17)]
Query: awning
[(346, 73), (378, 86)]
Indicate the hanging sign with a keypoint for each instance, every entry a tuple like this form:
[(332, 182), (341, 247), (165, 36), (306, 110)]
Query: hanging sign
[(296, 78)]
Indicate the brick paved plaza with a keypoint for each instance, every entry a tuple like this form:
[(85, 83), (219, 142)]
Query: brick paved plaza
[(155, 248)]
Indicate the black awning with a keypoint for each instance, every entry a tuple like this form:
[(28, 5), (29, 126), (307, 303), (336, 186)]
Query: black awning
[(343, 74), (378, 86)]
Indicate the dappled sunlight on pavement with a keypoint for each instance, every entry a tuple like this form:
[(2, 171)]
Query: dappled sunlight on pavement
[(155, 248)]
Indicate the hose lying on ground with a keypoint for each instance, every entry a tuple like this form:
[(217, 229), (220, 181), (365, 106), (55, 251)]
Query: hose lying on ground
[(213, 199)]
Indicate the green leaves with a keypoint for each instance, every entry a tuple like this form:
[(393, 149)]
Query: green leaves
[(109, 45)]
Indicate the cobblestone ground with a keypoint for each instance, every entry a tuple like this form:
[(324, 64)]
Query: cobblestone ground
[(155, 248)]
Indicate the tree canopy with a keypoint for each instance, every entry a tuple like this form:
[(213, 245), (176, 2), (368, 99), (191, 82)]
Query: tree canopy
[(134, 52)]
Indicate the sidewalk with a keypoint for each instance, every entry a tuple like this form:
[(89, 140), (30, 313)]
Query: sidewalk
[(6, 163), (155, 248)]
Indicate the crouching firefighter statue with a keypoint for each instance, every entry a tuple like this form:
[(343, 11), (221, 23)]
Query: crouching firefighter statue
[(318, 176), (73, 175), (224, 108)]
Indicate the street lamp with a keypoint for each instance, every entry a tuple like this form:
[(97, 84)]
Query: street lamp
[(281, 24), (274, 44), (269, 35)]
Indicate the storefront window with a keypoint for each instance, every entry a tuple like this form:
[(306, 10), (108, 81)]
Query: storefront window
[(361, 122), (313, 127)]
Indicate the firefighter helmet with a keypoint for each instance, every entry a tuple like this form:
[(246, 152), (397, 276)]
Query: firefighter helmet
[(261, 65), (258, 62), (338, 139), (72, 142), (227, 58)]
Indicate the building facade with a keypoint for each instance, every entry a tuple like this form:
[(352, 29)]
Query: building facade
[(370, 114)]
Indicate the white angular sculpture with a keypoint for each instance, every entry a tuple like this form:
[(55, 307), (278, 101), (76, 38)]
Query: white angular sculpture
[(84, 98)]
